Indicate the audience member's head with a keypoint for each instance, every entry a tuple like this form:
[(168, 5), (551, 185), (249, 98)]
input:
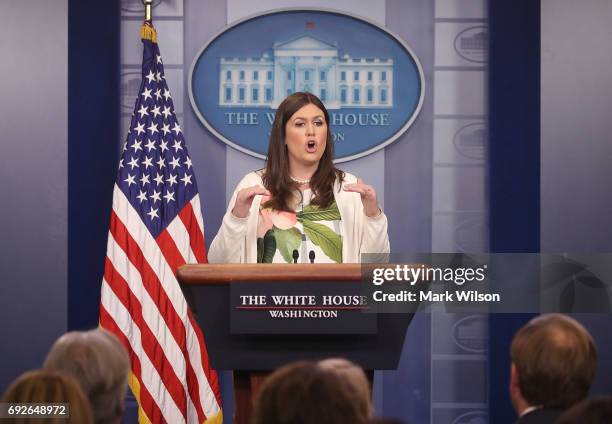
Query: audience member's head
[(305, 393), (356, 380), (553, 363), (591, 411), (99, 362), (43, 386)]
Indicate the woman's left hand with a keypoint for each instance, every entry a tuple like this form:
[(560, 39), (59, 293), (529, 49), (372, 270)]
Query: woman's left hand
[(368, 197)]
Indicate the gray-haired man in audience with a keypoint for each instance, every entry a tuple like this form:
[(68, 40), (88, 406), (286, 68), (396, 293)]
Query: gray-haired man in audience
[(99, 362)]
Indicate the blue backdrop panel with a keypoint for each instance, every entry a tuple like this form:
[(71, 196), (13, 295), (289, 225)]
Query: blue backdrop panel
[(514, 160), (93, 131)]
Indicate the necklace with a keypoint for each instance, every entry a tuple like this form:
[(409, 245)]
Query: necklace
[(295, 180)]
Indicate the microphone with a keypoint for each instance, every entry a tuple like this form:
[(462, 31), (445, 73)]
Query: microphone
[(311, 256), (295, 255)]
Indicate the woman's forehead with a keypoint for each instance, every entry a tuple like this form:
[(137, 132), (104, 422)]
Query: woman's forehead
[(308, 111)]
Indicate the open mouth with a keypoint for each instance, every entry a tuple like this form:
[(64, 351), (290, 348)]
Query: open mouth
[(311, 146)]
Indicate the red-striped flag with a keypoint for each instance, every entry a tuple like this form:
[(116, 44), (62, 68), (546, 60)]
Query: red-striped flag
[(156, 226)]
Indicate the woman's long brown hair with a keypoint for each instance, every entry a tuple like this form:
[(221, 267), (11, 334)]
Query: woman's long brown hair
[(276, 174)]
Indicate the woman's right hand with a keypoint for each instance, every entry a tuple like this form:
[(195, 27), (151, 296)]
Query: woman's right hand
[(244, 199)]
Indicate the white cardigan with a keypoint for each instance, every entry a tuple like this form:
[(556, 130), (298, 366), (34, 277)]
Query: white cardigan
[(236, 241)]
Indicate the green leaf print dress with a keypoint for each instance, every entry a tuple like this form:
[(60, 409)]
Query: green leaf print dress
[(279, 233)]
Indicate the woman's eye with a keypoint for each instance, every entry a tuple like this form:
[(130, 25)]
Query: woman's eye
[(318, 123), (299, 124)]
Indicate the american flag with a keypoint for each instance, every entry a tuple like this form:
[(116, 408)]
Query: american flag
[(155, 227)]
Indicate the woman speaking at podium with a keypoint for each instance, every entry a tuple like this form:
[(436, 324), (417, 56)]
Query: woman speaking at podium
[(300, 207)]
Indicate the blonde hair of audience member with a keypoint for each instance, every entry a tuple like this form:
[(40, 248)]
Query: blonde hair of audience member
[(305, 393), (356, 379), (99, 362), (43, 386), (554, 360)]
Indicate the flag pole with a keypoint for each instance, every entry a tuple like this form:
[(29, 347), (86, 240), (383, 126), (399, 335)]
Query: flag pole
[(147, 32), (148, 14)]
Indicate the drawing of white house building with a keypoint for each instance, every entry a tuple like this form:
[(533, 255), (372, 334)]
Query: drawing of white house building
[(306, 64)]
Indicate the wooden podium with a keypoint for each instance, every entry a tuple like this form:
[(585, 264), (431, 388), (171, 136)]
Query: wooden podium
[(207, 288)]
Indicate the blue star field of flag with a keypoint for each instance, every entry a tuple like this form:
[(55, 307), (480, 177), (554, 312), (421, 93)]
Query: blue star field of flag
[(155, 171)]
